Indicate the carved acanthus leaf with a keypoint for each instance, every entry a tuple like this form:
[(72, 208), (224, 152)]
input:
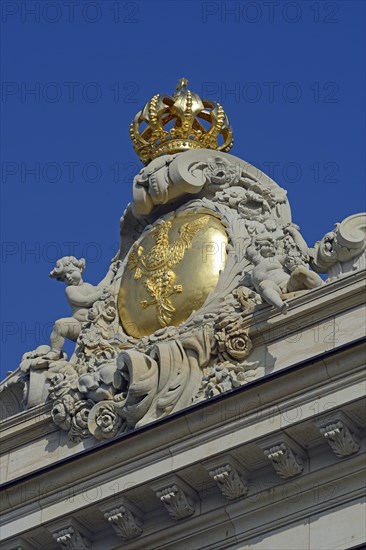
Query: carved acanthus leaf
[(341, 440), (101, 336), (285, 462), (177, 503), (247, 298), (229, 482), (126, 525), (71, 539)]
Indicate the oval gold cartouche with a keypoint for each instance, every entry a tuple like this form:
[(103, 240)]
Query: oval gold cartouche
[(170, 272)]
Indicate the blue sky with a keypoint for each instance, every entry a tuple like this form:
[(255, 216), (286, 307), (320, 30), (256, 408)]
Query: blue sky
[(289, 74)]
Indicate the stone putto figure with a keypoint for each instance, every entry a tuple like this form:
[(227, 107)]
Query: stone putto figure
[(280, 267), (80, 295)]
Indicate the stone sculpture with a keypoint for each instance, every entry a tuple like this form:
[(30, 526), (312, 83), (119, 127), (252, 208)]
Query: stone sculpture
[(81, 297), (342, 250), (280, 265), (207, 242)]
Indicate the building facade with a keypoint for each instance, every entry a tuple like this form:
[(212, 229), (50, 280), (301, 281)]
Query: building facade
[(216, 395)]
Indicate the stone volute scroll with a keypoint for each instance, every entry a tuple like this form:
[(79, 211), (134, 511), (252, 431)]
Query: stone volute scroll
[(207, 242), (342, 250)]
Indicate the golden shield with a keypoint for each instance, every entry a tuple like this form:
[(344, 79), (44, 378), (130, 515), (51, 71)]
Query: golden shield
[(170, 272)]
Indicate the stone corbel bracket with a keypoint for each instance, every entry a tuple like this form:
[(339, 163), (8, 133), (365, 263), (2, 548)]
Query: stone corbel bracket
[(70, 535), (226, 475), (125, 519), (340, 433), (284, 455), (178, 498)]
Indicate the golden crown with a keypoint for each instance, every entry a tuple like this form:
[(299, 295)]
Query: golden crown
[(184, 121)]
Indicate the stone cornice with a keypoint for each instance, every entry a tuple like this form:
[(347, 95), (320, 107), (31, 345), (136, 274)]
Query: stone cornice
[(232, 418), (317, 491), (222, 411), (339, 296), (181, 450), (26, 426)]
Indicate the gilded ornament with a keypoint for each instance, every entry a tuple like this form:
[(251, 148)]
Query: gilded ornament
[(170, 272), (172, 124)]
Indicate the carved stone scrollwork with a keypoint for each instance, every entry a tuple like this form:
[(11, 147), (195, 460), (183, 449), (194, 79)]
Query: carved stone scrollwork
[(229, 482), (342, 250), (285, 462), (341, 440), (176, 501), (125, 523), (70, 538)]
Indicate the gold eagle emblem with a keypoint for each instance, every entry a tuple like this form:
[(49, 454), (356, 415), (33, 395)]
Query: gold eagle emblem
[(156, 266)]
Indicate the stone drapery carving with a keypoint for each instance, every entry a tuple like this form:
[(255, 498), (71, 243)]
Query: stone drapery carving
[(115, 381)]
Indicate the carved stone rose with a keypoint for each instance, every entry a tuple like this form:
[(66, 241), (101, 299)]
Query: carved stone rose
[(104, 422), (106, 419), (61, 413), (79, 421), (233, 343)]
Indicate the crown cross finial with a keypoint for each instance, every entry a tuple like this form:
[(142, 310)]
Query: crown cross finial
[(182, 83)]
